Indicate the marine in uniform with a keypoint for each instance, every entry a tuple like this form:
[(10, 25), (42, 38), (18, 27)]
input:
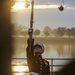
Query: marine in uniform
[(37, 65)]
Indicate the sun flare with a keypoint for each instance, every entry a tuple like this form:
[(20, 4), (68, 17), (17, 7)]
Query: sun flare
[(19, 6), (20, 68)]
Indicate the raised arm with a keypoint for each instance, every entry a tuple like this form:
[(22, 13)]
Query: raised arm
[(30, 43)]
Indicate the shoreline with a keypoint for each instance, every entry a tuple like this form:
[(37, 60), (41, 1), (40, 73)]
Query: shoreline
[(47, 39)]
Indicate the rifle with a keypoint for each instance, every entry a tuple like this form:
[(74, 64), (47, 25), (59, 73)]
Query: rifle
[(31, 22)]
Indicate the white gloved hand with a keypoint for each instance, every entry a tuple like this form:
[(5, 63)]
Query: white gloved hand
[(30, 31)]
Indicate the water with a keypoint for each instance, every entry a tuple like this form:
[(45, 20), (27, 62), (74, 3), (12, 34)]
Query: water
[(52, 50)]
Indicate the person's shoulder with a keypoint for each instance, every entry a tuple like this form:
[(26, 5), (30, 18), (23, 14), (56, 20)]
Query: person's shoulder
[(46, 62)]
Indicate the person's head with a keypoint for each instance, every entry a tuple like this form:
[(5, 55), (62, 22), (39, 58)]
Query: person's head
[(38, 48)]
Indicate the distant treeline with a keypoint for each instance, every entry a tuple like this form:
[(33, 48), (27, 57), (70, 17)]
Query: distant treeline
[(47, 31)]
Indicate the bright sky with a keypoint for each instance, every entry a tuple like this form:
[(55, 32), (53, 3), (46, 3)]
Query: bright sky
[(46, 13)]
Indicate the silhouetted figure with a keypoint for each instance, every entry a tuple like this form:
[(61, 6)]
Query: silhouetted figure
[(5, 38), (37, 65), (69, 69)]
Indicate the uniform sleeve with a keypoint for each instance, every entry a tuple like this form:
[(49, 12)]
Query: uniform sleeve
[(29, 50), (47, 70)]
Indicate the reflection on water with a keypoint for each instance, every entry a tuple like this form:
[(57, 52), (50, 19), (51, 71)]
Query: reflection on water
[(20, 73), (20, 68), (52, 50), (59, 50)]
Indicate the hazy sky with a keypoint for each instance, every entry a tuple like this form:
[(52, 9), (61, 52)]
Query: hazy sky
[(47, 14)]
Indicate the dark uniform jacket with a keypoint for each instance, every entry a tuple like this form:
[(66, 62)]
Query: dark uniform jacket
[(36, 64)]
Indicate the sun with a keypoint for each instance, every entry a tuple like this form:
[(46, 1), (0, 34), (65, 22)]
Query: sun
[(19, 6)]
